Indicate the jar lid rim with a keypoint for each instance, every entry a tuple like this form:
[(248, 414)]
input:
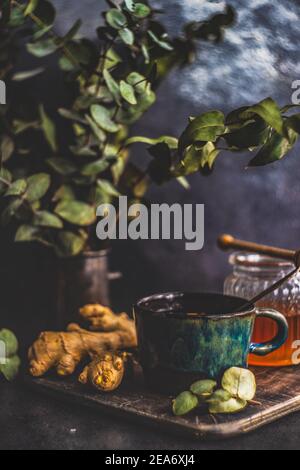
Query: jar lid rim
[(255, 260)]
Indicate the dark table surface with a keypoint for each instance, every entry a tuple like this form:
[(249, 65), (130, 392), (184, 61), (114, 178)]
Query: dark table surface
[(30, 420)]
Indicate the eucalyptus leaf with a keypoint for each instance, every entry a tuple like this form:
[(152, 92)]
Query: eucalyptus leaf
[(99, 133), (7, 148), (185, 403), (5, 179), (127, 36), (102, 117), (172, 142), (37, 186), (42, 48), (112, 85), (26, 74), (219, 396), (206, 127), (96, 167), (130, 5), (108, 188), (48, 127), (116, 19), (10, 341), (127, 92), (32, 4), (64, 192), (274, 149), (27, 233), (141, 10), (11, 210), (240, 383), (47, 219), (160, 42), (76, 212), (45, 12), (234, 405), (70, 243), (11, 368), (62, 166), (17, 188), (203, 388), (269, 111)]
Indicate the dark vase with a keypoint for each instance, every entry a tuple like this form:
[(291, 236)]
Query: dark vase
[(82, 280)]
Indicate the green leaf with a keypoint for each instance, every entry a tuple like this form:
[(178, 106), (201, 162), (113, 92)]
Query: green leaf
[(249, 135), (62, 166), (10, 211), (108, 188), (190, 162), (138, 82), (48, 128), (172, 142), (37, 186), (27, 233), (207, 128), (64, 192), (275, 149), (46, 219), (32, 4), (240, 383), (7, 148), (17, 188), (70, 243), (10, 341), (219, 396), (112, 85), (25, 75), (102, 117), (127, 36), (76, 212), (11, 368), (293, 122), (269, 111), (185, 403), (209, 155), (127, 92), (234, 405), (141, 10), (42, 48), (160, 42), (203, 388), (73, 116), (5, 179), (46, 13), (116, 19), (96, 167), (99, 133), (130, 5)]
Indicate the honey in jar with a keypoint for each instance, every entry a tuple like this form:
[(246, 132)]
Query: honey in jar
[(252, 274)]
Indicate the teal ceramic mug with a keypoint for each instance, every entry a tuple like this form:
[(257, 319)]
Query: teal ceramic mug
[(184, 337)]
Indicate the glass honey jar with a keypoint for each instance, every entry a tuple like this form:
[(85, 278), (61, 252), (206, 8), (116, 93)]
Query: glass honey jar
[(252, 274)]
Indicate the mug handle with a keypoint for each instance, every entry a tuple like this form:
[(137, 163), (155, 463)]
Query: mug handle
[(262, 349)]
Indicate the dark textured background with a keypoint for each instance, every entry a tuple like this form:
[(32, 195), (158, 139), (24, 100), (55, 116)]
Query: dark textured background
[(258, 58)]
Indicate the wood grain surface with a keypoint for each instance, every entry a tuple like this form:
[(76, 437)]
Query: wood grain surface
[(278, 391)]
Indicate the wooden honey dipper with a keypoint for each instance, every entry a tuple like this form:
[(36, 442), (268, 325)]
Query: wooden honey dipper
[(228, 242)]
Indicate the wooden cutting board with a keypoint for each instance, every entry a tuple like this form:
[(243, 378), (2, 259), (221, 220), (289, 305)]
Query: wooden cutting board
[(278, 390)]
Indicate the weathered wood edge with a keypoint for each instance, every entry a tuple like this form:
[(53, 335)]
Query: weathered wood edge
[(180, 426)]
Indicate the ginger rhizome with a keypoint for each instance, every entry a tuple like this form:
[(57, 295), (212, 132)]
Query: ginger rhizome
[(65, 350), (106, 373)]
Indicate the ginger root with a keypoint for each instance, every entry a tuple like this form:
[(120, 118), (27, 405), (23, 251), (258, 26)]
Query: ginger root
[(65, 351), (106, 372)]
